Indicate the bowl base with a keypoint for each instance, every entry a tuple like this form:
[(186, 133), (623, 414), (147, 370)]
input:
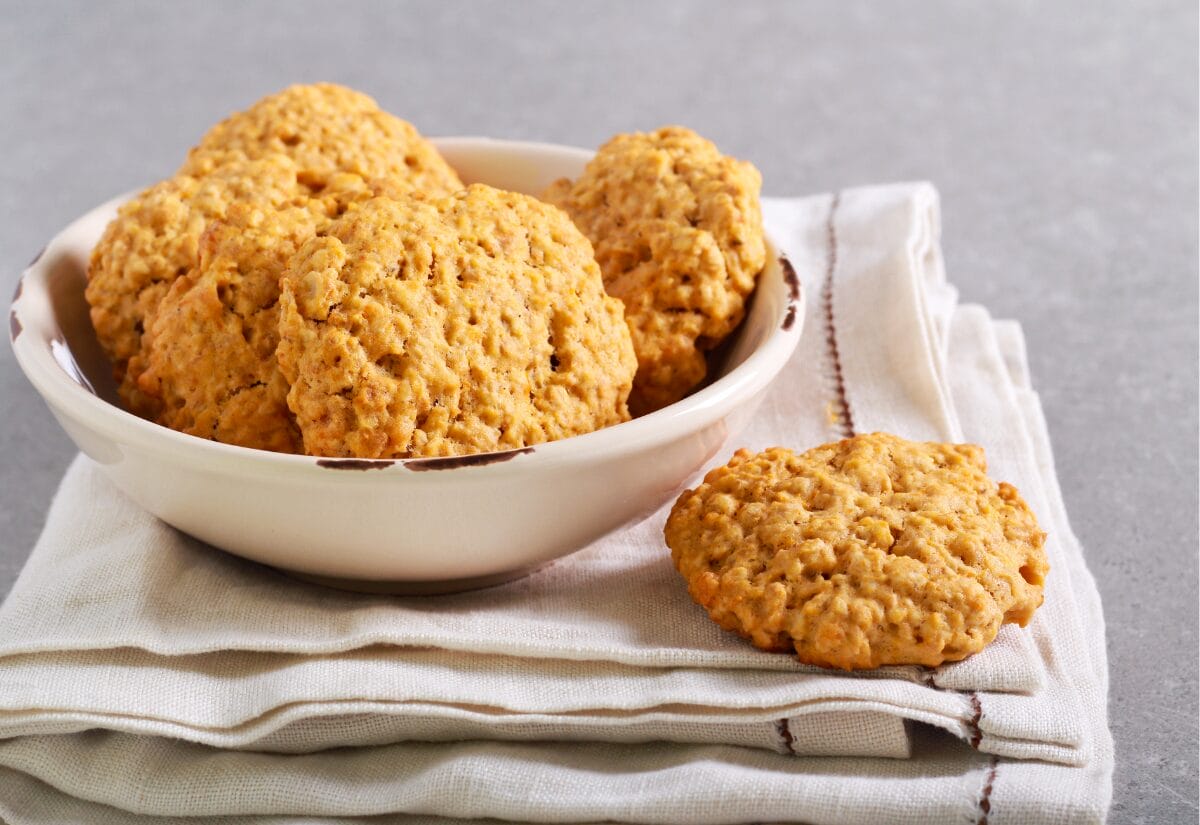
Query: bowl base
[(413, 588)]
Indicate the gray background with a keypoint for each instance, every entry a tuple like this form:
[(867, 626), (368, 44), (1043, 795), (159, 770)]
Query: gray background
[(1063, 138)]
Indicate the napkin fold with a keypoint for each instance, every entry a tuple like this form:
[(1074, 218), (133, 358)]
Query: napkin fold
[(145, 676)]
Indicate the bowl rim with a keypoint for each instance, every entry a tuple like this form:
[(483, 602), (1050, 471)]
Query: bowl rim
[(31, 311)]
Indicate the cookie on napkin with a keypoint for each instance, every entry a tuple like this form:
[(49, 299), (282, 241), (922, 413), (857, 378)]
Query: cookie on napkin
[(866, 552)]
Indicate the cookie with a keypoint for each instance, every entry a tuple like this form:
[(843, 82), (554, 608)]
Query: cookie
[(327, 128), (866, 552), (210, 351), (283, 153), (677, 231), (155, 239), (449, 326)]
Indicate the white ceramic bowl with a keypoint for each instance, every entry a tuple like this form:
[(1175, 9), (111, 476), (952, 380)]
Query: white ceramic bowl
[(421, 525)]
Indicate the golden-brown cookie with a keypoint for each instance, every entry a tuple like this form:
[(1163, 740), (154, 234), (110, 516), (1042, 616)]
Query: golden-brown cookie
[(677, 230), (210, 351), (211, 346), (325, 128), (449, 326), (281, 154), (155, 239), (870, 551)]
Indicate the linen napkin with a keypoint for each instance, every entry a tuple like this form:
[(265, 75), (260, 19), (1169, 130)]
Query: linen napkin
[(144, 676)]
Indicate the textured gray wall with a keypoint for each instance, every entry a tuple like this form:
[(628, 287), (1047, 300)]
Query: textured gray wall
[(1063, 137)]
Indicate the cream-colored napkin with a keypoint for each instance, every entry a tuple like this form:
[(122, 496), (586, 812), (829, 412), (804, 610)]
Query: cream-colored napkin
[(142, 673)]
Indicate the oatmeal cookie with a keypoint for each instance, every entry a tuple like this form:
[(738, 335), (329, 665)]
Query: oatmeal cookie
[(449, 326), (279, 154), (325, 128), (677, 230), (870, 551), (155, 239), (210, 350)]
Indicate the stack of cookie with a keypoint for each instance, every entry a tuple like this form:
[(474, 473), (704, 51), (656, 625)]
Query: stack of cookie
[(184, 284)]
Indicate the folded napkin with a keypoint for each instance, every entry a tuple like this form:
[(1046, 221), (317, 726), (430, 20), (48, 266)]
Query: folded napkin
[(145, 676)]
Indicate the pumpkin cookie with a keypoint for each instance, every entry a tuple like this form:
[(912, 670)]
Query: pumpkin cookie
[(677, 230), (870, 551), (449, 326), (327, 128)]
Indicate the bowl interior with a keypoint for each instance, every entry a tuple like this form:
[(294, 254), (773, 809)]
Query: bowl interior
[(61, 322), (54, 312)]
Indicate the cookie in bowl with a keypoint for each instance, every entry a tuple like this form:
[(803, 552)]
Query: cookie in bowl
[(870, 551), (477, 322), (677, 230), (209, 351), (323, 128), (154, 239), (268, 162)]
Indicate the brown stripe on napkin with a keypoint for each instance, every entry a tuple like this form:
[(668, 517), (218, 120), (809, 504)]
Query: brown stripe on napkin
[(785, 733), (985, 796), (839, 407)]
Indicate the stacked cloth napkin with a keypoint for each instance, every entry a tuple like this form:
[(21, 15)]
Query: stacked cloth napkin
[(146, 677)]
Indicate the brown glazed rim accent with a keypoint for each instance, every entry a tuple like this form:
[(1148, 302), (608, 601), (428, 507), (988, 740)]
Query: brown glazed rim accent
[(354, 463), (421, 465), (793, 283), (789, 320), (14, 323)]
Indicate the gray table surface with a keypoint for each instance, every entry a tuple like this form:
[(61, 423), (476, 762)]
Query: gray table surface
[(1063, 138)]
